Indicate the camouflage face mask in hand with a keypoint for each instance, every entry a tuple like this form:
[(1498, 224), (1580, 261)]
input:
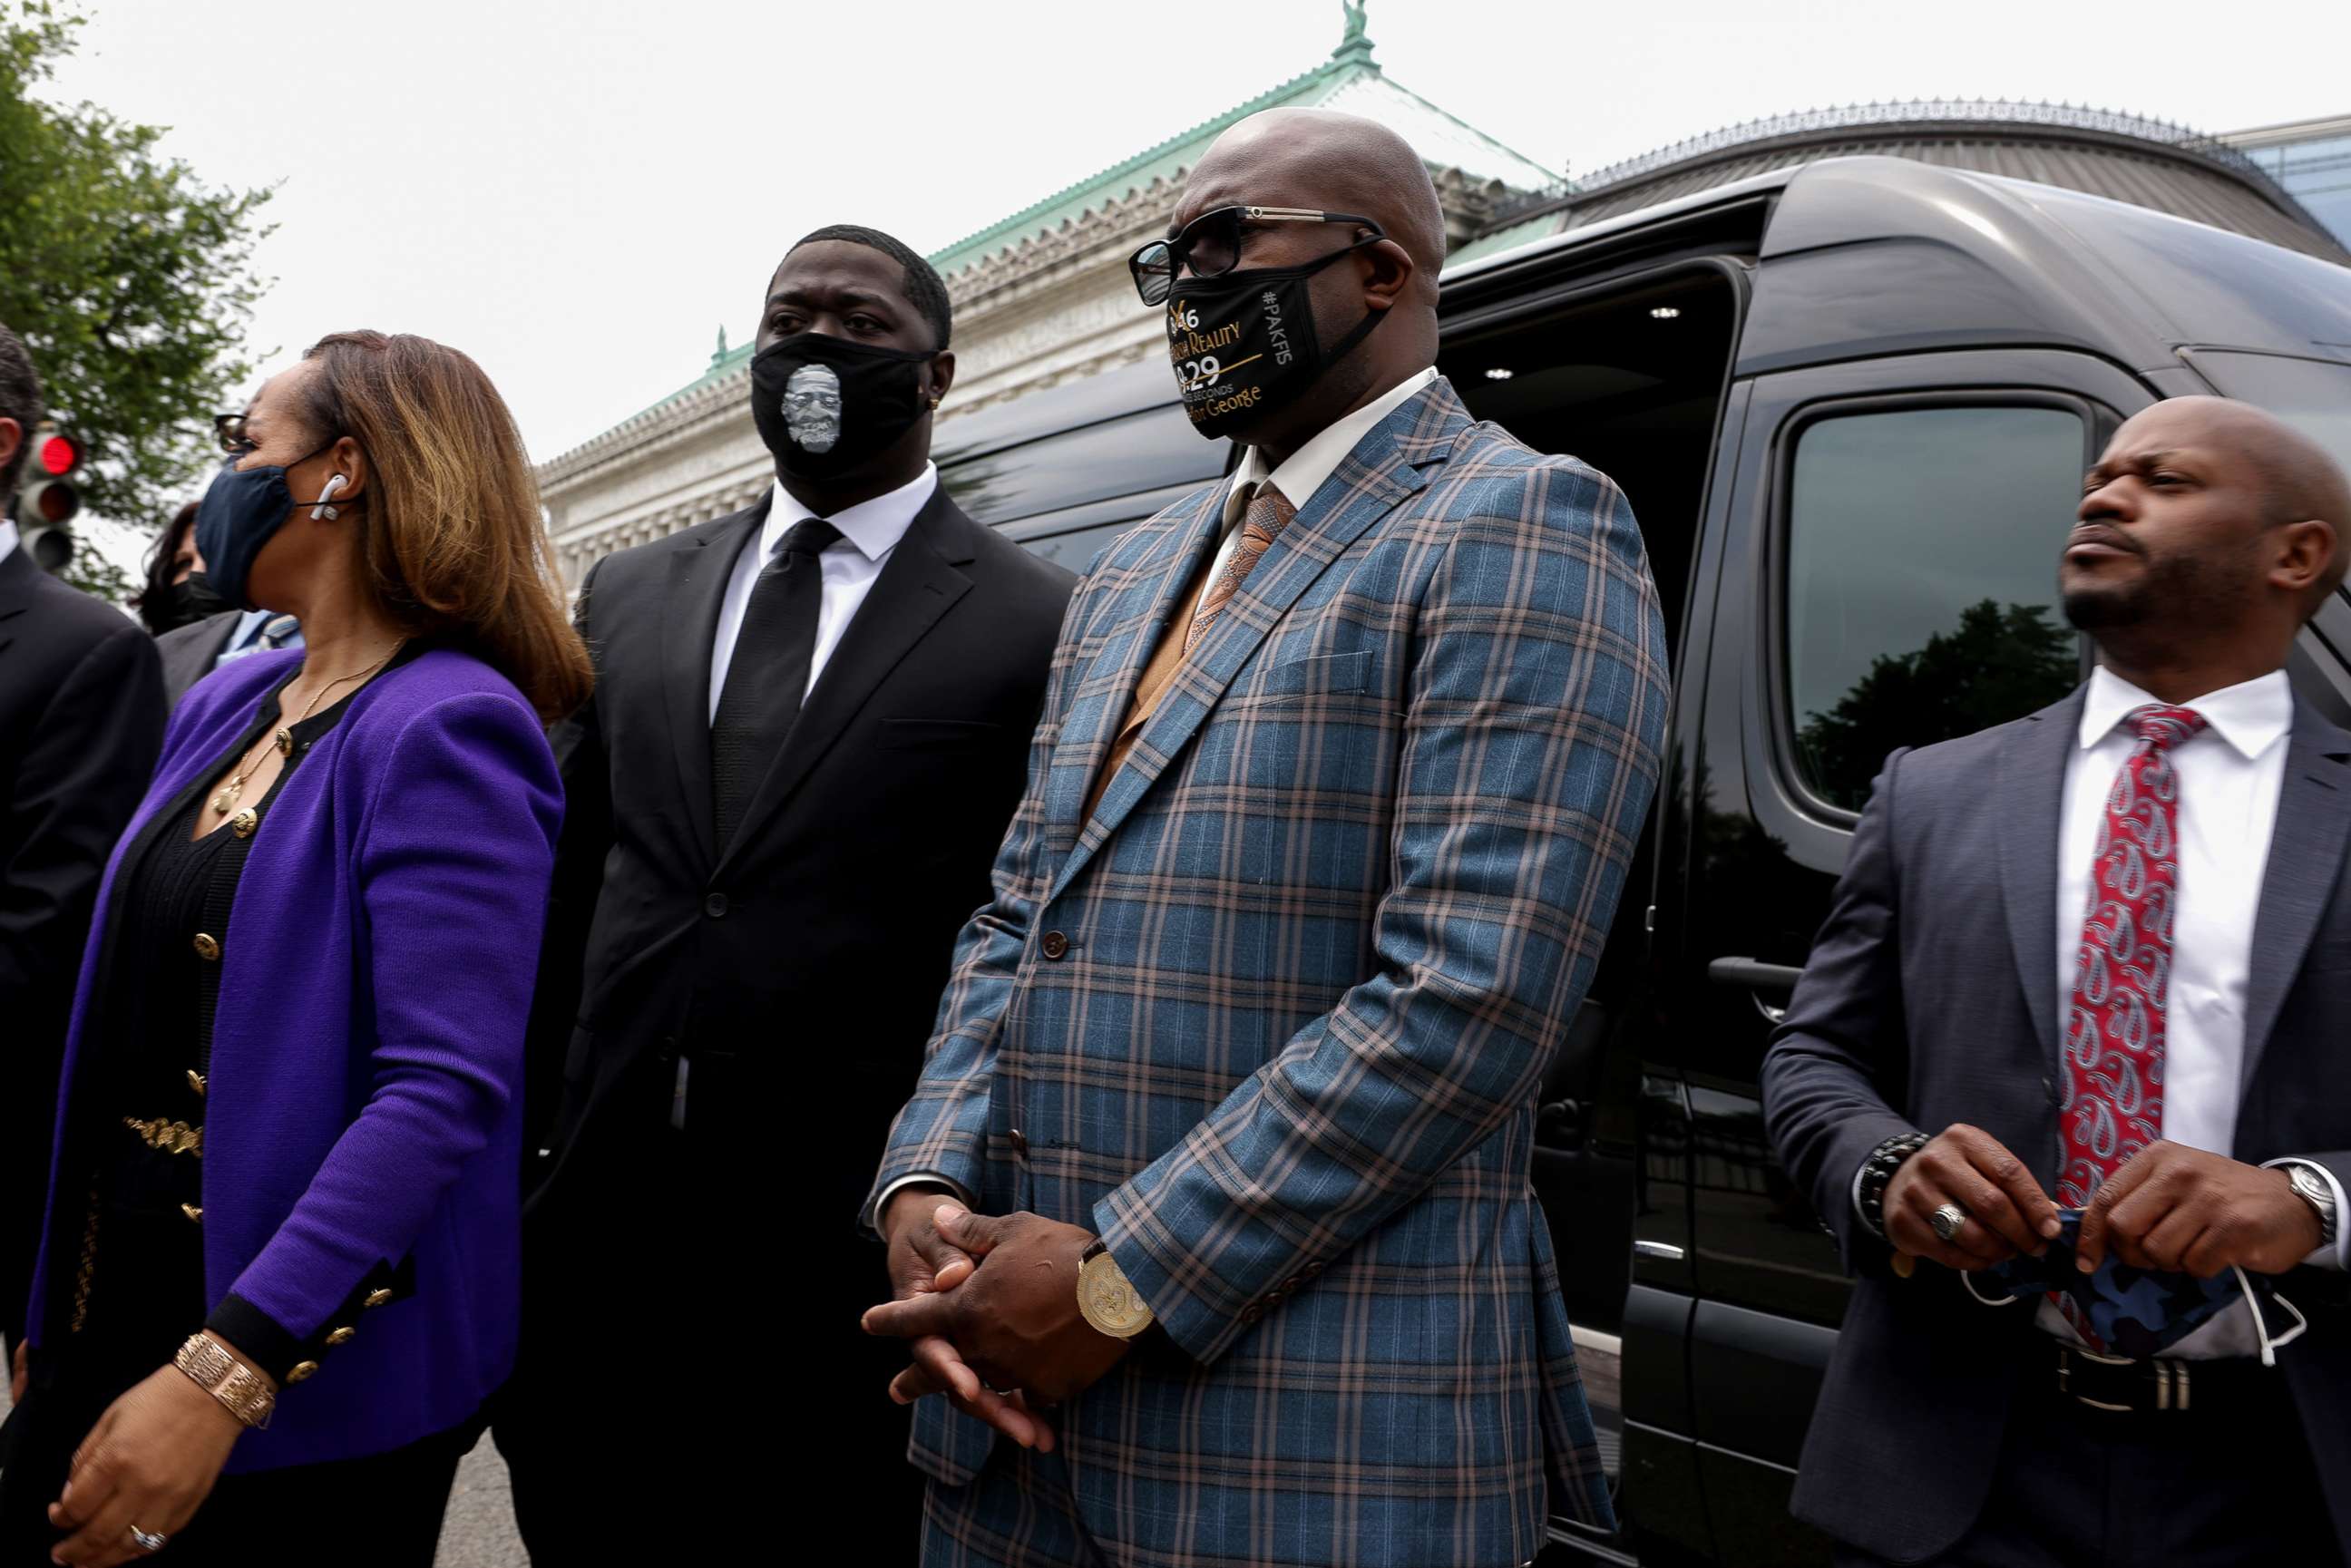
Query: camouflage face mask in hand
[(2134, 1312)]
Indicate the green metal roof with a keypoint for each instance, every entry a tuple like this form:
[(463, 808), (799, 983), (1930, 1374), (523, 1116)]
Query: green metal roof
[(1350, 80)]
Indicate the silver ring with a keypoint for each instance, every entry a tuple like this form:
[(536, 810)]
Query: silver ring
[(147, 1541), (1947, 1221)]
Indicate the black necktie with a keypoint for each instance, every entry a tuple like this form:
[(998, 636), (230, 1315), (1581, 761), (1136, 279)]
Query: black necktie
[(768, 671)]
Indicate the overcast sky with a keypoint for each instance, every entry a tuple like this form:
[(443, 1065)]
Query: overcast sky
[(579, 193)]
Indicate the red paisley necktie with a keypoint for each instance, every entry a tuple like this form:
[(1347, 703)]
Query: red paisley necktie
[(2122, 975)]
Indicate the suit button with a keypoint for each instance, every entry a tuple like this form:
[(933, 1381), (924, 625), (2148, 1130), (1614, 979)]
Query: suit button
[(1054, 945), (301, 1372), (377, 1299), (342, 1336), (1020, 1144), (208, 948), (195, 1216), (714, 906), (1251, 1313)]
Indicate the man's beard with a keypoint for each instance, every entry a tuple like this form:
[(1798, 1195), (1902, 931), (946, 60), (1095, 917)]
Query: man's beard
[(2171, 591)]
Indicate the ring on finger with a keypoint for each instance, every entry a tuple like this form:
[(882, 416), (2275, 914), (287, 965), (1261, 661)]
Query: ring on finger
[(1946, 1220), (149, 1540)]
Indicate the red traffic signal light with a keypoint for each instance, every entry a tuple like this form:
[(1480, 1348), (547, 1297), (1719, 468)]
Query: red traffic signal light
[(47, 495)]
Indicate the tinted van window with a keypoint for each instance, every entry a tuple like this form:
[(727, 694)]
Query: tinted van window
[(1922, 581)]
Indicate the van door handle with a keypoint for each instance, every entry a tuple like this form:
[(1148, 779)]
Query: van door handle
[(1757, 976)]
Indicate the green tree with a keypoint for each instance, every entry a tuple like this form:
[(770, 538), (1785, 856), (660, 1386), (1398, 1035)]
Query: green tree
[(1998, 664), (128, 278)]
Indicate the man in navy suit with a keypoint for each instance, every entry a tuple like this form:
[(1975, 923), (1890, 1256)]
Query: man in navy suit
[(2099, 960)]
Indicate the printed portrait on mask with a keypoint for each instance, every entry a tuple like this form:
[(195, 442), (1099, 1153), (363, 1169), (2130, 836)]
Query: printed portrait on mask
[(812, 408)]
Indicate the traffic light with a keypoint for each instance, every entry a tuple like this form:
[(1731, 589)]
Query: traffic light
[(48, 500)]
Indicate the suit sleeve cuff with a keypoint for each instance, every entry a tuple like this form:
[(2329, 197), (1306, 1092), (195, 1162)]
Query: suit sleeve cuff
[(257, 1336), (2337, 1254)]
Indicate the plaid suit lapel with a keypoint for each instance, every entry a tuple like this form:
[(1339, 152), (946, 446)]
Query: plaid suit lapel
[(1137, 612), (1383, 470)]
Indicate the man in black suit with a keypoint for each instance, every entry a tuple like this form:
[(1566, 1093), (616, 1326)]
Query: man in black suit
[(2102, 955), (809, 730), (81, 722)]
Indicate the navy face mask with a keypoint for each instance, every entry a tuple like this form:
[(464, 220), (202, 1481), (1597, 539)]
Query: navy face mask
[(2137, 1313), (242, 512)]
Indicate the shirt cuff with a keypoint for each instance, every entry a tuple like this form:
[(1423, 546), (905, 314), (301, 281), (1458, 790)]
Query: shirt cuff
[(920, 1178), (2337, 1254)]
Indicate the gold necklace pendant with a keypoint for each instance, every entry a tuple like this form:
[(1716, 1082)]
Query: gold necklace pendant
[(225, 801)]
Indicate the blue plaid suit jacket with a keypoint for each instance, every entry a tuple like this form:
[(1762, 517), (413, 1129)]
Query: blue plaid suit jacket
[(1310, 957)]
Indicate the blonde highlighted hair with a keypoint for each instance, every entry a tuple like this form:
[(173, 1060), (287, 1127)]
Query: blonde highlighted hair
[(452, 542)]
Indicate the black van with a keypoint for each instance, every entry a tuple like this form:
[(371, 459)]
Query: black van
[(1851, 405)]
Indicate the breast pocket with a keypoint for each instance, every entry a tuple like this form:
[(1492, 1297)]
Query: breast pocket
[(938, 733), (1326, 674)]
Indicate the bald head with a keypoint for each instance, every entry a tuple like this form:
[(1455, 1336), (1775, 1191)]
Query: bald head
[(1336, 163), (2294, 479)]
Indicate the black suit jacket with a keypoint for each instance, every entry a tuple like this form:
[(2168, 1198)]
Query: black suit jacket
[(1931, 997), (798, 972), (82, 723), (188, 652)]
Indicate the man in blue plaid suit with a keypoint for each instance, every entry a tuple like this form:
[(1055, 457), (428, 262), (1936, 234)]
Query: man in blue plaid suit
[(1340, 766)]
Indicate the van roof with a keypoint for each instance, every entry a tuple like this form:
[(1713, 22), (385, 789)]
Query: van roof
[(1960, 259)]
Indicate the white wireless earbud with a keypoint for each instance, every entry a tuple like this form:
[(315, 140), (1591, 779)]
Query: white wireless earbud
[(334, 482)]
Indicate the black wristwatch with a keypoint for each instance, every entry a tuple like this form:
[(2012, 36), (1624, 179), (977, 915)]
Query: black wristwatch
[(1877, 1170)]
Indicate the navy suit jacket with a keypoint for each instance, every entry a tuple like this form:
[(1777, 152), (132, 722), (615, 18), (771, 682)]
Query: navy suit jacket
[(1930, 997)]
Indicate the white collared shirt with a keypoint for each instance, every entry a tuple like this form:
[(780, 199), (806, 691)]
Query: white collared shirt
[(1303, 472), (7, 537), (870, 530), (2229, 774)]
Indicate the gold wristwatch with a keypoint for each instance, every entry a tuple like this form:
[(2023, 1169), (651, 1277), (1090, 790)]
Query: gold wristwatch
[(1107, 1296), (245, 1393)]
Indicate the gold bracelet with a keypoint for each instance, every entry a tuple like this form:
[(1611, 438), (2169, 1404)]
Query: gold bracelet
[(236, 1385)]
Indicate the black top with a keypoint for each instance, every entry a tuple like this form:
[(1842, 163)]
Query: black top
[(138, 1290)]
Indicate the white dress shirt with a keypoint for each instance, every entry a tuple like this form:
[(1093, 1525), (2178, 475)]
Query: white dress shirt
[(1302, 473), (870, 530), (7, 537), (2229, 777), (1297, 478)]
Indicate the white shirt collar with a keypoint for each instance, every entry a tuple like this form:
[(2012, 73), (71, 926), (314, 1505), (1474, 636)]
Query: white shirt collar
[(7, 538), (875, 527), (2250, 715), (1305, 469)]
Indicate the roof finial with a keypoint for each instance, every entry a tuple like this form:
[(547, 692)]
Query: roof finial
[(722, 344), (1356, 46)]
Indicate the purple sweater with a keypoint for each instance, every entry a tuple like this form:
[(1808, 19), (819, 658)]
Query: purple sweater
[(364, 1103)]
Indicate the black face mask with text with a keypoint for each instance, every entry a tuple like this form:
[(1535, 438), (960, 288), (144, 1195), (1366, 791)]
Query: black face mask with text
[(824, 404), (1244, 344)]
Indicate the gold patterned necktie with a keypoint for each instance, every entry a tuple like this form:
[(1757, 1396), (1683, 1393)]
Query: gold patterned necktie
[(1269, 510)]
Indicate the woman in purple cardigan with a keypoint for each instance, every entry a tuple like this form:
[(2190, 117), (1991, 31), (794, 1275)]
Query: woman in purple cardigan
[(278, 1273)]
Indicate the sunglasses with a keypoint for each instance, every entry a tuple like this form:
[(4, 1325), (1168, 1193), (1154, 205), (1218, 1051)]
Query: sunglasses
[(1210, 245), (229, 430)]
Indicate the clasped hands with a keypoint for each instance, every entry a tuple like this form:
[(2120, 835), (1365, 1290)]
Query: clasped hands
[(2168, 1207), (988, 1307)]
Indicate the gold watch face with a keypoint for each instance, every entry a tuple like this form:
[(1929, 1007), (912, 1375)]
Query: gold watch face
[(1108, 1300)]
